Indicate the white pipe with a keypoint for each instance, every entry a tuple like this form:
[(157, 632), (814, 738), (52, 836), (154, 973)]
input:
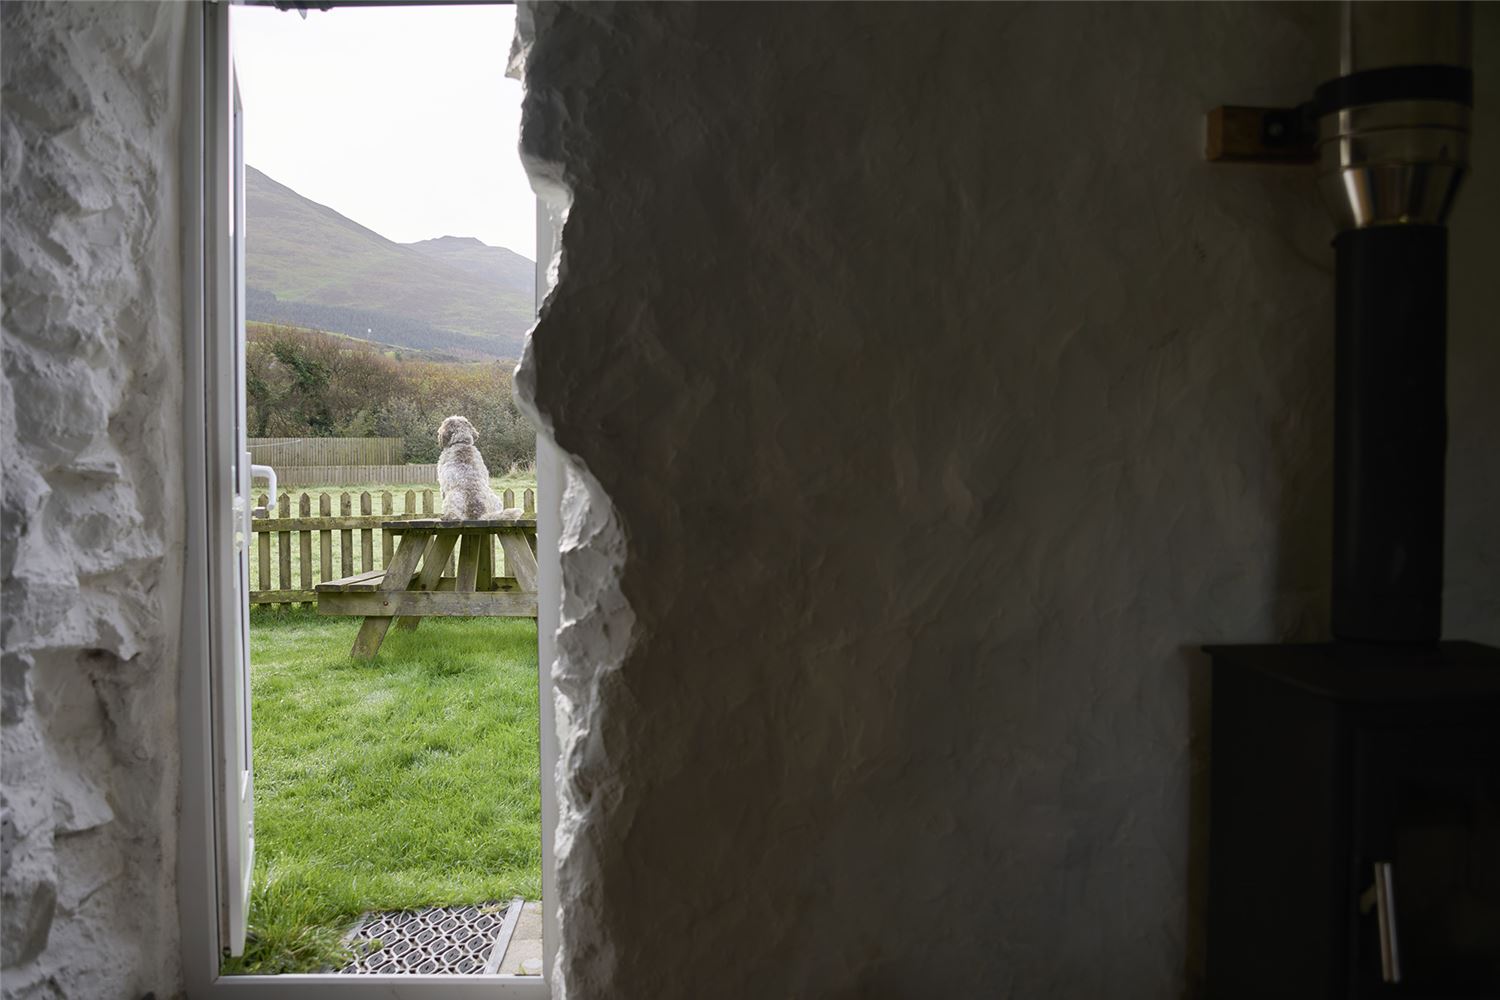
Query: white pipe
[(265, 472)]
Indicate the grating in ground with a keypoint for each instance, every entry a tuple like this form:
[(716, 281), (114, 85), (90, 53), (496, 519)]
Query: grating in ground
[(458, 940)]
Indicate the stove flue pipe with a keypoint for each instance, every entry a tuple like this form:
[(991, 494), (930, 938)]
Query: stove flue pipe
[(1393, 148)]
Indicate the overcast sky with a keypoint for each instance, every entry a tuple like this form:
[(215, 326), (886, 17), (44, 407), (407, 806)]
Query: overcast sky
[(401, 119)]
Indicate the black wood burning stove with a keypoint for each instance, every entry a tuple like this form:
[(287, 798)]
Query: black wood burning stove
[(1355, 824), (1355, 837)]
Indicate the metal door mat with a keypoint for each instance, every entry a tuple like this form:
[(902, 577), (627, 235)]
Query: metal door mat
[(441, 940)]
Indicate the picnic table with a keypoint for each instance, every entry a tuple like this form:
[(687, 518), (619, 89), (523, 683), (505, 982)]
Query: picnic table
[(412, 586)]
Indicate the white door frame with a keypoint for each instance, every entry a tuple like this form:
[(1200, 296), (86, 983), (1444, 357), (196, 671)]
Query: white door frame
[(199, 882)]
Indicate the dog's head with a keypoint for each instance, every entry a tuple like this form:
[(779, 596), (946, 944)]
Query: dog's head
[(457, 430)]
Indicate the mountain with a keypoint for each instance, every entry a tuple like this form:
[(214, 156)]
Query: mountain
[(308, 265), (506, 268)]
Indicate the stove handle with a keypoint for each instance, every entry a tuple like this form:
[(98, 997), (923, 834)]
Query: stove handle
[(1382, 898)]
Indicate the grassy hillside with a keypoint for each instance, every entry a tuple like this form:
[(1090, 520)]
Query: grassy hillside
[(307, 264), (461, 351), (507, 269)]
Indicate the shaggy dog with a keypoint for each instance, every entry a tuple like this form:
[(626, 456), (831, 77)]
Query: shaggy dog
[(462, 476)]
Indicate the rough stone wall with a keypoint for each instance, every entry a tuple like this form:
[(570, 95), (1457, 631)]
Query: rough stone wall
[(930, 400), (92, 529)]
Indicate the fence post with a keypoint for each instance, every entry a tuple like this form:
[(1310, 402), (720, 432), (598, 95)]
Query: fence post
[(528, 501), (346, 535), (366, 535), (304, 543), (284, 546), (325, 538), (263, 551), (385, 536)]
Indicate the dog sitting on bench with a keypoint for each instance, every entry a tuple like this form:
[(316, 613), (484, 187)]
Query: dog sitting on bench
[(463, 479)]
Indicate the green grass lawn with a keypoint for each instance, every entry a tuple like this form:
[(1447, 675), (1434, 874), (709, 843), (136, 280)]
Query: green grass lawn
[(409, 781)]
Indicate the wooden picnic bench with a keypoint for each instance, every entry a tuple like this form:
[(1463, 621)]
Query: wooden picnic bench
[(412, 586)]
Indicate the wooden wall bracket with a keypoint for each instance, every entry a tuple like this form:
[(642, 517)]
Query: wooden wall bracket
[(1260, 135)]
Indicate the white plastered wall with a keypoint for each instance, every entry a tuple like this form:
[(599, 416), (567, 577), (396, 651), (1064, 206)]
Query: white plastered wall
[(92, 532), (936, 400)]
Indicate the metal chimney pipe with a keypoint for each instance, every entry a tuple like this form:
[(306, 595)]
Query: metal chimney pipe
[(1393, 149)]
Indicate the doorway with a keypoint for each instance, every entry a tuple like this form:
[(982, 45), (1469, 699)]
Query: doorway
[(221, 836)]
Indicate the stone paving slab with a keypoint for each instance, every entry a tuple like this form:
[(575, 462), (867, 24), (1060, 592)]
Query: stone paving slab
[(523, 955)]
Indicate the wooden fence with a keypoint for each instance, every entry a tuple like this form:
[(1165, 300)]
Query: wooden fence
[(313, 537), (288, 452), (354, 475)]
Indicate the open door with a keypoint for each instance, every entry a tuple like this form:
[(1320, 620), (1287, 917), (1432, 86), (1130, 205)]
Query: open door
[(229, 496), (216, 847)]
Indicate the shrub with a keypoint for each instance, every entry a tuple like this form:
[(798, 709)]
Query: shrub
[(306, 383)]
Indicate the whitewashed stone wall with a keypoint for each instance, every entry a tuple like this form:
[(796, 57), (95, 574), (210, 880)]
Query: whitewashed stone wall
[(92, 529), (933, 400), (930, 401)]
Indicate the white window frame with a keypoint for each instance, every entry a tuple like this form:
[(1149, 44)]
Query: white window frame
[(198, 870)]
